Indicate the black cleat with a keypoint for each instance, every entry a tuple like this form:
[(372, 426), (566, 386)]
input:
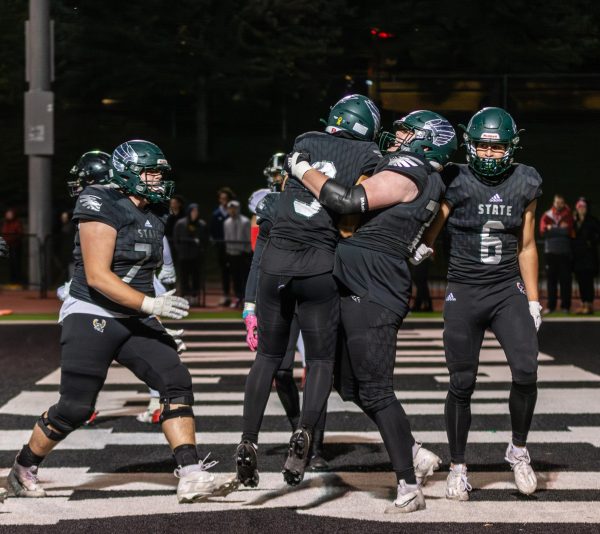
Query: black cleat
[(247, 464), (318, 463), (298, 453)]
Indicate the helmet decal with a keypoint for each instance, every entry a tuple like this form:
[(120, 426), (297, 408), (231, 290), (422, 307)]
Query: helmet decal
[(126, 153), (443, 132)]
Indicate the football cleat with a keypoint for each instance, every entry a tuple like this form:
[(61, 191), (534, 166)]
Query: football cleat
[(457, 484), (520, 463), (425, 463), (298, 454), (3, 494), (317, 462), (195, 482), (410, 499), (246, 461), (24, 481)]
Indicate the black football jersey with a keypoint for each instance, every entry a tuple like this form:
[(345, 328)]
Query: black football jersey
[(485, 223), (372, 261), (138, 248), (301, 216), (266, 209)]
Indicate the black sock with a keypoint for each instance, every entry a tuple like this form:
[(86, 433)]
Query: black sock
[(288, 395), (458, 422), (186, 455), (27, 458), (394, 428), (521, 404)]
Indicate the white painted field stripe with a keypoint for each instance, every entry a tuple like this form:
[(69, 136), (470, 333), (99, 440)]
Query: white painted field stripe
[(434, 356), (487, 374), (567, 400), (324, 495), (99, 438), (78, 478), (121, 375)]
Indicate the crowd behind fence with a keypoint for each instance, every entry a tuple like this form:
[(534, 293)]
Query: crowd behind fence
[(54, 255)]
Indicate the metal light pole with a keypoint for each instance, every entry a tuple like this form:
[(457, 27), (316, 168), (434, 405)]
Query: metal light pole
[(39, 130)]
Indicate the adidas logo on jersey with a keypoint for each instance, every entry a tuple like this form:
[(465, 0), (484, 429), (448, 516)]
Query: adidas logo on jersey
[(147, 224), (496, 199), (451, 298)]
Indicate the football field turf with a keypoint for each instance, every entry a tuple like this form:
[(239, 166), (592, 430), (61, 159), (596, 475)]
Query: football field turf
[(116, 476)]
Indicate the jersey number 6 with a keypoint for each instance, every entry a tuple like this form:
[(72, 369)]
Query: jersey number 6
[(491, 242)]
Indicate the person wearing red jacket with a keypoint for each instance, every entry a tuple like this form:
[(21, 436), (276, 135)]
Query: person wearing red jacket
[(12, 232), (557, 229)]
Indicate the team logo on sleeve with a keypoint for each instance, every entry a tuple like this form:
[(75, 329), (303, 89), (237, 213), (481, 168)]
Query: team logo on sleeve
[(99, 325), (90, 202), (521, 288), (404, 161)]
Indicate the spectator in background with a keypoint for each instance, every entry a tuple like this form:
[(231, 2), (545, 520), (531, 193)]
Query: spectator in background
[(236, 229), (585, 255), (176, 212), (420, 273), (66, 242), (224, 195), (12, 232), (556, 227), (190, 238)]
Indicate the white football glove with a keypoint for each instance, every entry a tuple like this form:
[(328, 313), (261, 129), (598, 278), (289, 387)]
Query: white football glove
[(167, 274), (167, 305), (63, 291), (535, 311), (422, 253)]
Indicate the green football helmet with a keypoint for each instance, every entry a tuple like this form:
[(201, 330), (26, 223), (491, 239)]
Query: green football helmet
[(493, 126), (433, 137), (132, 158), (357, 115)]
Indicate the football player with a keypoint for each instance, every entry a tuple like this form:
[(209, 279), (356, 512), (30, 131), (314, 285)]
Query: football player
[(489, 207), (296, 277), (110, 315), (398, 202), (265, 208), (92, 168)]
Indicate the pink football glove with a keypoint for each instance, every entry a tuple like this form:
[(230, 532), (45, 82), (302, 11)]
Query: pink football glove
[(251, 331)]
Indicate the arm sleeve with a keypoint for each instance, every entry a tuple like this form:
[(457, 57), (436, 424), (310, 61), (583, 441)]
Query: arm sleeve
[(343, 200), (261, 241), (167, 257)]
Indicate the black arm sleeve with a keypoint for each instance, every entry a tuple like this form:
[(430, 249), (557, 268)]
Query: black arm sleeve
[(343, 200), (261, 241)]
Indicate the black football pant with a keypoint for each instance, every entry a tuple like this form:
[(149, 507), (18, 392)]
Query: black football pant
[(558, 272), (468, 311), (365, 375), (585, 280), (316, 301), (91, 343)]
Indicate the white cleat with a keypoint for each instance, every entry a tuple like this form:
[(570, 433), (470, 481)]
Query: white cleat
[(457, 484), (24, 481), (425, 463), (410, 499), (195, 482), (520, 463), (3, 494)]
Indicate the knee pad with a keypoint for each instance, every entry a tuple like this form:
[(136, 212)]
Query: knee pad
[(69, 414), (373, 400), (43, 422), (284, 375), (462, 383), (182, 411)]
